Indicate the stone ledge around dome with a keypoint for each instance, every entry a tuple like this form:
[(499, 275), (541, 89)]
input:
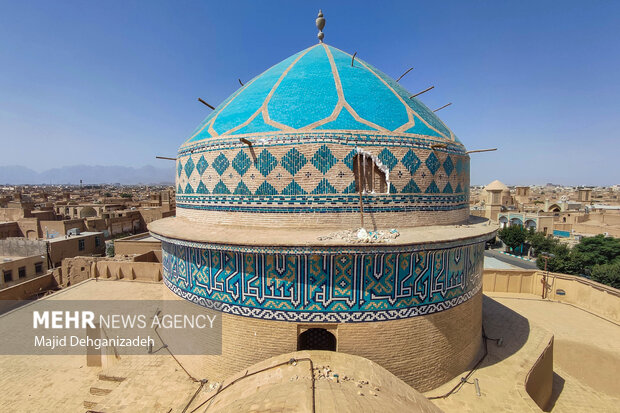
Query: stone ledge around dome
[(196, 233)]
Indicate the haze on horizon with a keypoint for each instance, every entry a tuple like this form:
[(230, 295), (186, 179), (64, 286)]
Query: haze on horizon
[(116, 83)]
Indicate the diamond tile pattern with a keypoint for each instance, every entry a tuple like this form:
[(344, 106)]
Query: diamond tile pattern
[(351, 189), (324, 159), (220, 164), (432, 188), (411, 188), (266, 189), (459, 166), (448, 166), (293, 189), (265, 162), (242, 189), (388, 159), (299, 170), (202, 165), (293, 161), (348, 160), (432, 163), (324, 187), (411, 161), (221, 188), (241, 163), (202, 189), (189, 167)]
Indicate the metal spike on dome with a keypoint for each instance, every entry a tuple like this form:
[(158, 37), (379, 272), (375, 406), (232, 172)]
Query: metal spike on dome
[(320, 24), (444, 106)]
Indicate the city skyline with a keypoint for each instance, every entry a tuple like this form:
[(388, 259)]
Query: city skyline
[(117, 84)]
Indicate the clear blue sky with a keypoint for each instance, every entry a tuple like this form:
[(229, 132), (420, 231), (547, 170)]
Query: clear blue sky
[(116, 82)]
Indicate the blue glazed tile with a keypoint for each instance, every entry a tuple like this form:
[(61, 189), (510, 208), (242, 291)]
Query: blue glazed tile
[(448, 166), (265, 162), (447, 277), (411, 188), (293, 161), (242, 189), (388, 159), (293, 189), (348, 160), (220, 164), (324, 187), (411, 161), (220, 188), (432, 163), (324, 159), (241, 163), (189, 167), (459, 165), (202, 189), (202, 165), (432, 188), (266, 189)]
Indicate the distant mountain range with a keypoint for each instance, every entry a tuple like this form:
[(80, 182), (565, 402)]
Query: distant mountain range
[(89, 174)]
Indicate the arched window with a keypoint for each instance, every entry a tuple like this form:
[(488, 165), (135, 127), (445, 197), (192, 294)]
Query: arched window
[(316, 339), (369, 178)]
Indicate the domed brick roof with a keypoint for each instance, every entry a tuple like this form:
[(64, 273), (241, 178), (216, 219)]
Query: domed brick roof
[(496, 186)]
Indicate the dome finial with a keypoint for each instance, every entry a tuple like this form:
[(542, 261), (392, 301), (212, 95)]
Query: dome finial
[(320, 23)]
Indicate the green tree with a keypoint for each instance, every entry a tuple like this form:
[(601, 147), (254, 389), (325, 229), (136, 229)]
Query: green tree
[(598, 250), (608, 274), (540, 242), (513, 236), (599, 256)]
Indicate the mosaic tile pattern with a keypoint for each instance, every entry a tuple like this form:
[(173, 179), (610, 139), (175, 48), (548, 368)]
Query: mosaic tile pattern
[(303, 121), (325, 287), (319, 89), (314, 173)]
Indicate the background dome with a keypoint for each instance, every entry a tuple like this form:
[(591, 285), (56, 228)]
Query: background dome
[(319, 89)]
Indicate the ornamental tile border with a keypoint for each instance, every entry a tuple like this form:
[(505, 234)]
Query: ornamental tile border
[(321, 287)]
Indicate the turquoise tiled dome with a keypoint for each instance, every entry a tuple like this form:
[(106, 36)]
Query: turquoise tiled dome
[(319, 90), (285, 147)]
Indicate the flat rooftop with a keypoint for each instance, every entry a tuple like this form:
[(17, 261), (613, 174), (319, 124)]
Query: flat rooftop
[(586, 362), (9, 258), (145, 236), (80, 235)]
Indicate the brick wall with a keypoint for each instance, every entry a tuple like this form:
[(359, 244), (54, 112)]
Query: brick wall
[(424, 351), (326, 220)]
